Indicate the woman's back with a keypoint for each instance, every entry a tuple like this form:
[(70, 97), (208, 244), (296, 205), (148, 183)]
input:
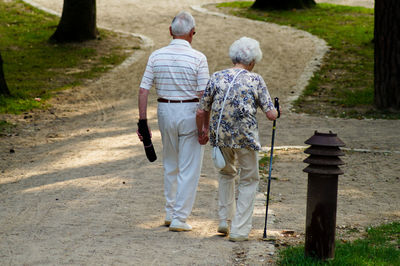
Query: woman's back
[(239, 128)]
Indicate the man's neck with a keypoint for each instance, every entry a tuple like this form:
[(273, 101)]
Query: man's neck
[(184, 37)]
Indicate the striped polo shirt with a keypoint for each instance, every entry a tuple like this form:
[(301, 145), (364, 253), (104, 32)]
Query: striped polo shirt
[(178, 71)]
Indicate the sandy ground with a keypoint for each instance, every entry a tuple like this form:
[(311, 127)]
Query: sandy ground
[(78, 189)]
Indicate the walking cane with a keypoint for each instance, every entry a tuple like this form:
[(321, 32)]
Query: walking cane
[(270, 165)]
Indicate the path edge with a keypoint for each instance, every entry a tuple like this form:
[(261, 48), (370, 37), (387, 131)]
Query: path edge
[(145, 42), (321, 48)]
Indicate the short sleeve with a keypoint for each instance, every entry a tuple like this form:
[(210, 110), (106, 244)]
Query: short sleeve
[(148, 76), (208, 96), (203, 74), (264, 98)]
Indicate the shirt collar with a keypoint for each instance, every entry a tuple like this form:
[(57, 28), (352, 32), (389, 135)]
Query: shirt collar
[(180, 42)]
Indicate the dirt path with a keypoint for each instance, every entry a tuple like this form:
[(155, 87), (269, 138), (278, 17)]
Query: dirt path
[(78, 189)]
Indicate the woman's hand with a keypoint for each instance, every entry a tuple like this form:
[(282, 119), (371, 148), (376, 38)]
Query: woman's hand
[(272, 114)]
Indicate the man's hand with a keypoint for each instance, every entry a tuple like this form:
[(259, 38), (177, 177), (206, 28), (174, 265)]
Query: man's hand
[(141, 137), (203, 137), (202, 122), (144, 134)]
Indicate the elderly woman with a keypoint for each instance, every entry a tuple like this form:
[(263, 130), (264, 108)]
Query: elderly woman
[(238, 133)]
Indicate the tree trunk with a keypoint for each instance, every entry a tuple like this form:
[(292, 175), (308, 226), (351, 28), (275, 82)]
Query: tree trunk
[(3, 85), (283, 4), (78, 22), (387, 54)]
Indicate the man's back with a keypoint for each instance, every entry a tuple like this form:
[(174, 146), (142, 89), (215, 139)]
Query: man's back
[(177, 70)]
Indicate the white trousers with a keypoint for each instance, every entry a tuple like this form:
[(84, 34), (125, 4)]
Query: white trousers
[(240, 213), (182, 157)]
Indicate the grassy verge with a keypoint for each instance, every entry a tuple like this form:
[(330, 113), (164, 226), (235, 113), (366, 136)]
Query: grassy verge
[(343, 87), (381, 246), (34, 68)]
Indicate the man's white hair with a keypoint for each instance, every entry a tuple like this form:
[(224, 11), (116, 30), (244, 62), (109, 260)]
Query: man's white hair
[(182, 24), (245, 50)]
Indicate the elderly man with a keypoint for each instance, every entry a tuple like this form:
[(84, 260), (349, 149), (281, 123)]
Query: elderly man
[(179, 74)]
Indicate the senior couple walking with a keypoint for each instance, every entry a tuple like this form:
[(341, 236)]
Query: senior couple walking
[(189, 109)]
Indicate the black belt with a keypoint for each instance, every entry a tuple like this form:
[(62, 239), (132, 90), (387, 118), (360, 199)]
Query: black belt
[(162, 100)]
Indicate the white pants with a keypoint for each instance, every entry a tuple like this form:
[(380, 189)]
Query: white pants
[(240, 213), (182, 157)]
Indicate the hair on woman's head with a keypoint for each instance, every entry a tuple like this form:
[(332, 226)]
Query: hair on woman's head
[(245, 50)]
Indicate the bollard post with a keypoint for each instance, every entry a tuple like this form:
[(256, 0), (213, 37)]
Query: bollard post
[(322, 189)]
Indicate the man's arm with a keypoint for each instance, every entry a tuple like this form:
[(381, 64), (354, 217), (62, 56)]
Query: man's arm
[(143, 96), (203, 123), (202, 77)]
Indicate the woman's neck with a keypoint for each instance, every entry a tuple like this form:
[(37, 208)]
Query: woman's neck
[(243, 66)]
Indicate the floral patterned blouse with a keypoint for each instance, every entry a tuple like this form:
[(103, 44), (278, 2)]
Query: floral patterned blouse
[(238, 128)]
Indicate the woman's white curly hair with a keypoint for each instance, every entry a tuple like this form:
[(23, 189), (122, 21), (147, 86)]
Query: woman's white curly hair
[(244, 51), (182, 24)]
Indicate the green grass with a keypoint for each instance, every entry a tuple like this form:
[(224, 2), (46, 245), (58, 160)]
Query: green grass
[(343, 86), (381, 246), (34, 67), (264, 161), (263, 164)]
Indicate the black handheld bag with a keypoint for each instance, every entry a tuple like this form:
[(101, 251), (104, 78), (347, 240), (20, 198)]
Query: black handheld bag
[(148, 145)]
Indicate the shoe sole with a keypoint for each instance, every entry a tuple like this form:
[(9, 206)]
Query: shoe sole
[(176, 229), (238, 239), (167, 223), (223, 230)]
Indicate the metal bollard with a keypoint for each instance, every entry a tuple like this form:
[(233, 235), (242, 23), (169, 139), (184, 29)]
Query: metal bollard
[(322, 189)]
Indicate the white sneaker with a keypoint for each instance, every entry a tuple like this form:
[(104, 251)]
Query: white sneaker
[(179, 226), (223, 227), (168, 219), (238, 238)]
